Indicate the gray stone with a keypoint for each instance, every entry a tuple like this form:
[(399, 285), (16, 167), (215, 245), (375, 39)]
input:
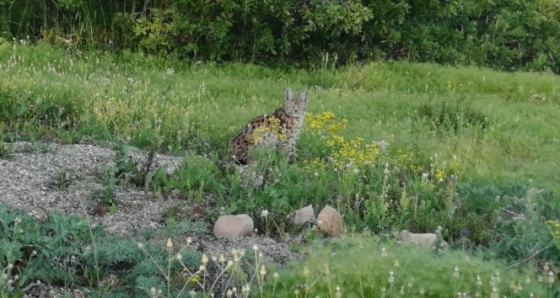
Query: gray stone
[(303, 215), (427, 240), (228, 226)]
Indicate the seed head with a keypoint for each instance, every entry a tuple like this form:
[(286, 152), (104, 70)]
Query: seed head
[(550, 277), (383, 252), (456, 272), (305, 270)]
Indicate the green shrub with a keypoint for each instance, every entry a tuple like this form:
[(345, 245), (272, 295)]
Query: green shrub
[(452, 118), (196, 176), (323, 34), (521, 230)]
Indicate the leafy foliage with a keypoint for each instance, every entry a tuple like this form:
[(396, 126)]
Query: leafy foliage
[(452, 118), (5, 150), (505, 34)]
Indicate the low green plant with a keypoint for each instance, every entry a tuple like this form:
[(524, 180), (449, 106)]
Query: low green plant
[(128, 172), (522, 233), (174, 227), (36, 147), (13, 254), (106, 194), (47, 252), (63, 179), (342, 269), (68, 251), (456, 118), (113, 208), (5, 149), (196, 176)]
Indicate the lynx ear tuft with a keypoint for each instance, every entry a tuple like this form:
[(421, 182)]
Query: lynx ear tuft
[(304, 95), (289, 94)]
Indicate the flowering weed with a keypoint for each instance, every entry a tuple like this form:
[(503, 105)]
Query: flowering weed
[(342, 154)]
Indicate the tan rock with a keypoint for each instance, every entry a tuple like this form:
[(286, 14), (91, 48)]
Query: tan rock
[(426, 240), (231, 226), (303, 215), (329, 221)]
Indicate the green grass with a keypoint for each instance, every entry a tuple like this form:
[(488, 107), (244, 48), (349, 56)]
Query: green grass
[(365, 267), (202, 106), (356, 266), (468, 148)]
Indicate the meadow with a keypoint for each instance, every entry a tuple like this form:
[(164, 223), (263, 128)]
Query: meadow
[(393, 145)]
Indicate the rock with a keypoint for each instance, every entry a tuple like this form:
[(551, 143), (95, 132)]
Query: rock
[(303, 215), (329, 221), (231, 226), (426, 240)]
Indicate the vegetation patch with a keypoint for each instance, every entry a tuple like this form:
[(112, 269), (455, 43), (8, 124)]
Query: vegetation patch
[(391, 145), (453, 118), (372, 268)]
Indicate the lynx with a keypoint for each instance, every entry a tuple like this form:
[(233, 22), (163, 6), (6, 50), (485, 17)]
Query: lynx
[(280, 130)]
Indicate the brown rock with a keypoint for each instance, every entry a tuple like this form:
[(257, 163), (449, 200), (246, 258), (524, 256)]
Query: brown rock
[(231, 226), (303, 215), (329, 221)]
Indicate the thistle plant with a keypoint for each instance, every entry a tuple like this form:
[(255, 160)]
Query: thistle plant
[(228, 277)]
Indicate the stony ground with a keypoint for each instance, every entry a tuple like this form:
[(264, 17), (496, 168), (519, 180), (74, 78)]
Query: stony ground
[(41, 178)]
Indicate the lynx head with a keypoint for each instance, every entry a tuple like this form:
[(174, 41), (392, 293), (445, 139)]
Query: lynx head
[(295, 105)]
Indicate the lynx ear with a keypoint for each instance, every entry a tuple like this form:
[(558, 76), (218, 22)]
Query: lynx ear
[(304, 95), (289, 94)]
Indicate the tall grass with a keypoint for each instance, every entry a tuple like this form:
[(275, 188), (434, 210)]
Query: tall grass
[(371, 268), (391, 145), (201, 106)]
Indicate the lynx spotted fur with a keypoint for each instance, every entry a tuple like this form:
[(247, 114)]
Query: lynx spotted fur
[(280, 129)]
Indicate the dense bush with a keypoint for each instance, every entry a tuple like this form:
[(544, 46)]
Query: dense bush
[(504, 34)]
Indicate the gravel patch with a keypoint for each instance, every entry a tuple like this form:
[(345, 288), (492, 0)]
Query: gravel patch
[(64, 178)]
